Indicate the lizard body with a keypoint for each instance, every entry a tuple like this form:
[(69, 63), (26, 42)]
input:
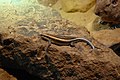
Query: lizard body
[(65, 42)]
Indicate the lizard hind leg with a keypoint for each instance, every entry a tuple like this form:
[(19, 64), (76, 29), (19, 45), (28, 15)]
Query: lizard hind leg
[(72, 44)]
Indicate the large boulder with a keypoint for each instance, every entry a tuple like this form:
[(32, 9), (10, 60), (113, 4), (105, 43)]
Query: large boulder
[(33, 55)]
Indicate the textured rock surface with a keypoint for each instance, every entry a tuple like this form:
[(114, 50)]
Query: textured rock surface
[(79, 18), (58, 26), (77, 5), (24, 14), (62, 62), (5, 76), (24, 50), (109, 10), (107, 37)]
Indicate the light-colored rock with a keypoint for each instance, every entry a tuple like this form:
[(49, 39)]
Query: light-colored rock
[(79, 18), (24, 13), (85, 19), (77, 5), (107, 37)]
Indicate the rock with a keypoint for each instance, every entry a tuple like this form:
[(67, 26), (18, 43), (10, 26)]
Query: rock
[(109, 10), (77, 5), (25, 50), (59, 62), (79, 18), (5, 76), (58, 27), (25, 13), (107, 37)]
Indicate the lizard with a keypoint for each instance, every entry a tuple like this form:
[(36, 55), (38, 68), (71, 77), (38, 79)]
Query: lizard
[(62, 42), (65, 42)]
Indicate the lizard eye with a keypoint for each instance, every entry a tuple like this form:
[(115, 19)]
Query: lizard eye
[(114, 2)]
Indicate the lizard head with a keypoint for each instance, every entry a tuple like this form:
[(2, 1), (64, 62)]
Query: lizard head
[(108, 10)]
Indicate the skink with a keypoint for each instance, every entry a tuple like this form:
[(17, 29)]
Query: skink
[(65, 42)]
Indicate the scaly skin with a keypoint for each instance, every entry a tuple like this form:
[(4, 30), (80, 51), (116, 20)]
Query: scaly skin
[(65, 42)]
